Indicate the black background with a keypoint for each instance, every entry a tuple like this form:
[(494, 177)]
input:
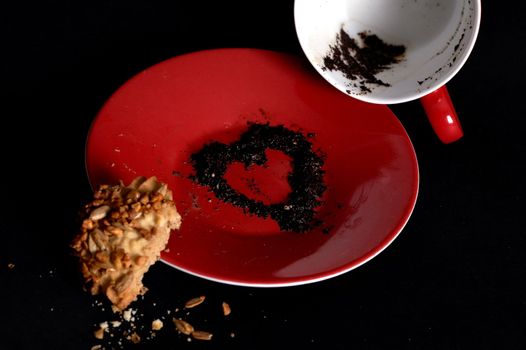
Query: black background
[(454, 279)]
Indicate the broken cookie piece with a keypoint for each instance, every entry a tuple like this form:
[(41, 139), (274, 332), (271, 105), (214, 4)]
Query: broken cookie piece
[(124, 230)]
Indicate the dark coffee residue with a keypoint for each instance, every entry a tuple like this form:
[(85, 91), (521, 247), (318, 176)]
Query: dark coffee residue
[(361, 62), (297, 212)]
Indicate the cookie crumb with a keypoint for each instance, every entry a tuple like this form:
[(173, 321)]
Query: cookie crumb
[(135, 338), (157, 325), (127, 315), (99, 333)]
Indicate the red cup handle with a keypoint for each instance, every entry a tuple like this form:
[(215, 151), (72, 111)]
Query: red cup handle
[(442, 116)]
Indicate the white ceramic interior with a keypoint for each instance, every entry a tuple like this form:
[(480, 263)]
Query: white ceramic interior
[(438, 35)]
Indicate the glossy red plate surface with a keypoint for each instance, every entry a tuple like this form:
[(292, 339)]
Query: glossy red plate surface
[(155, 121)]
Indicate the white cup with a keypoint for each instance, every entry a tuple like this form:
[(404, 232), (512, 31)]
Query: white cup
[(438, 36)]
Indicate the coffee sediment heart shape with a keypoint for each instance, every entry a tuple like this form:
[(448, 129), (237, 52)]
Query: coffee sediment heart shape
[(297, 212)]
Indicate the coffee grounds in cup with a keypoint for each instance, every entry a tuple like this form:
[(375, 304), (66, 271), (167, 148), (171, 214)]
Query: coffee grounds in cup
[(296, 213), (361, 63)]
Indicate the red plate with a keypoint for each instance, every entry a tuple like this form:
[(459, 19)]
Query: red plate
[(155, 121)]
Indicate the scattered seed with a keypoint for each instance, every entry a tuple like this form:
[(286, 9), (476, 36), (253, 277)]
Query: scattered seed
[(201, 335), (99, 213), (194, 302), (226, 309), (183, 326)]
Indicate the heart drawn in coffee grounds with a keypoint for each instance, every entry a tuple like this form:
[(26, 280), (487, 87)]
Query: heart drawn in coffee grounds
[(296, 212)]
